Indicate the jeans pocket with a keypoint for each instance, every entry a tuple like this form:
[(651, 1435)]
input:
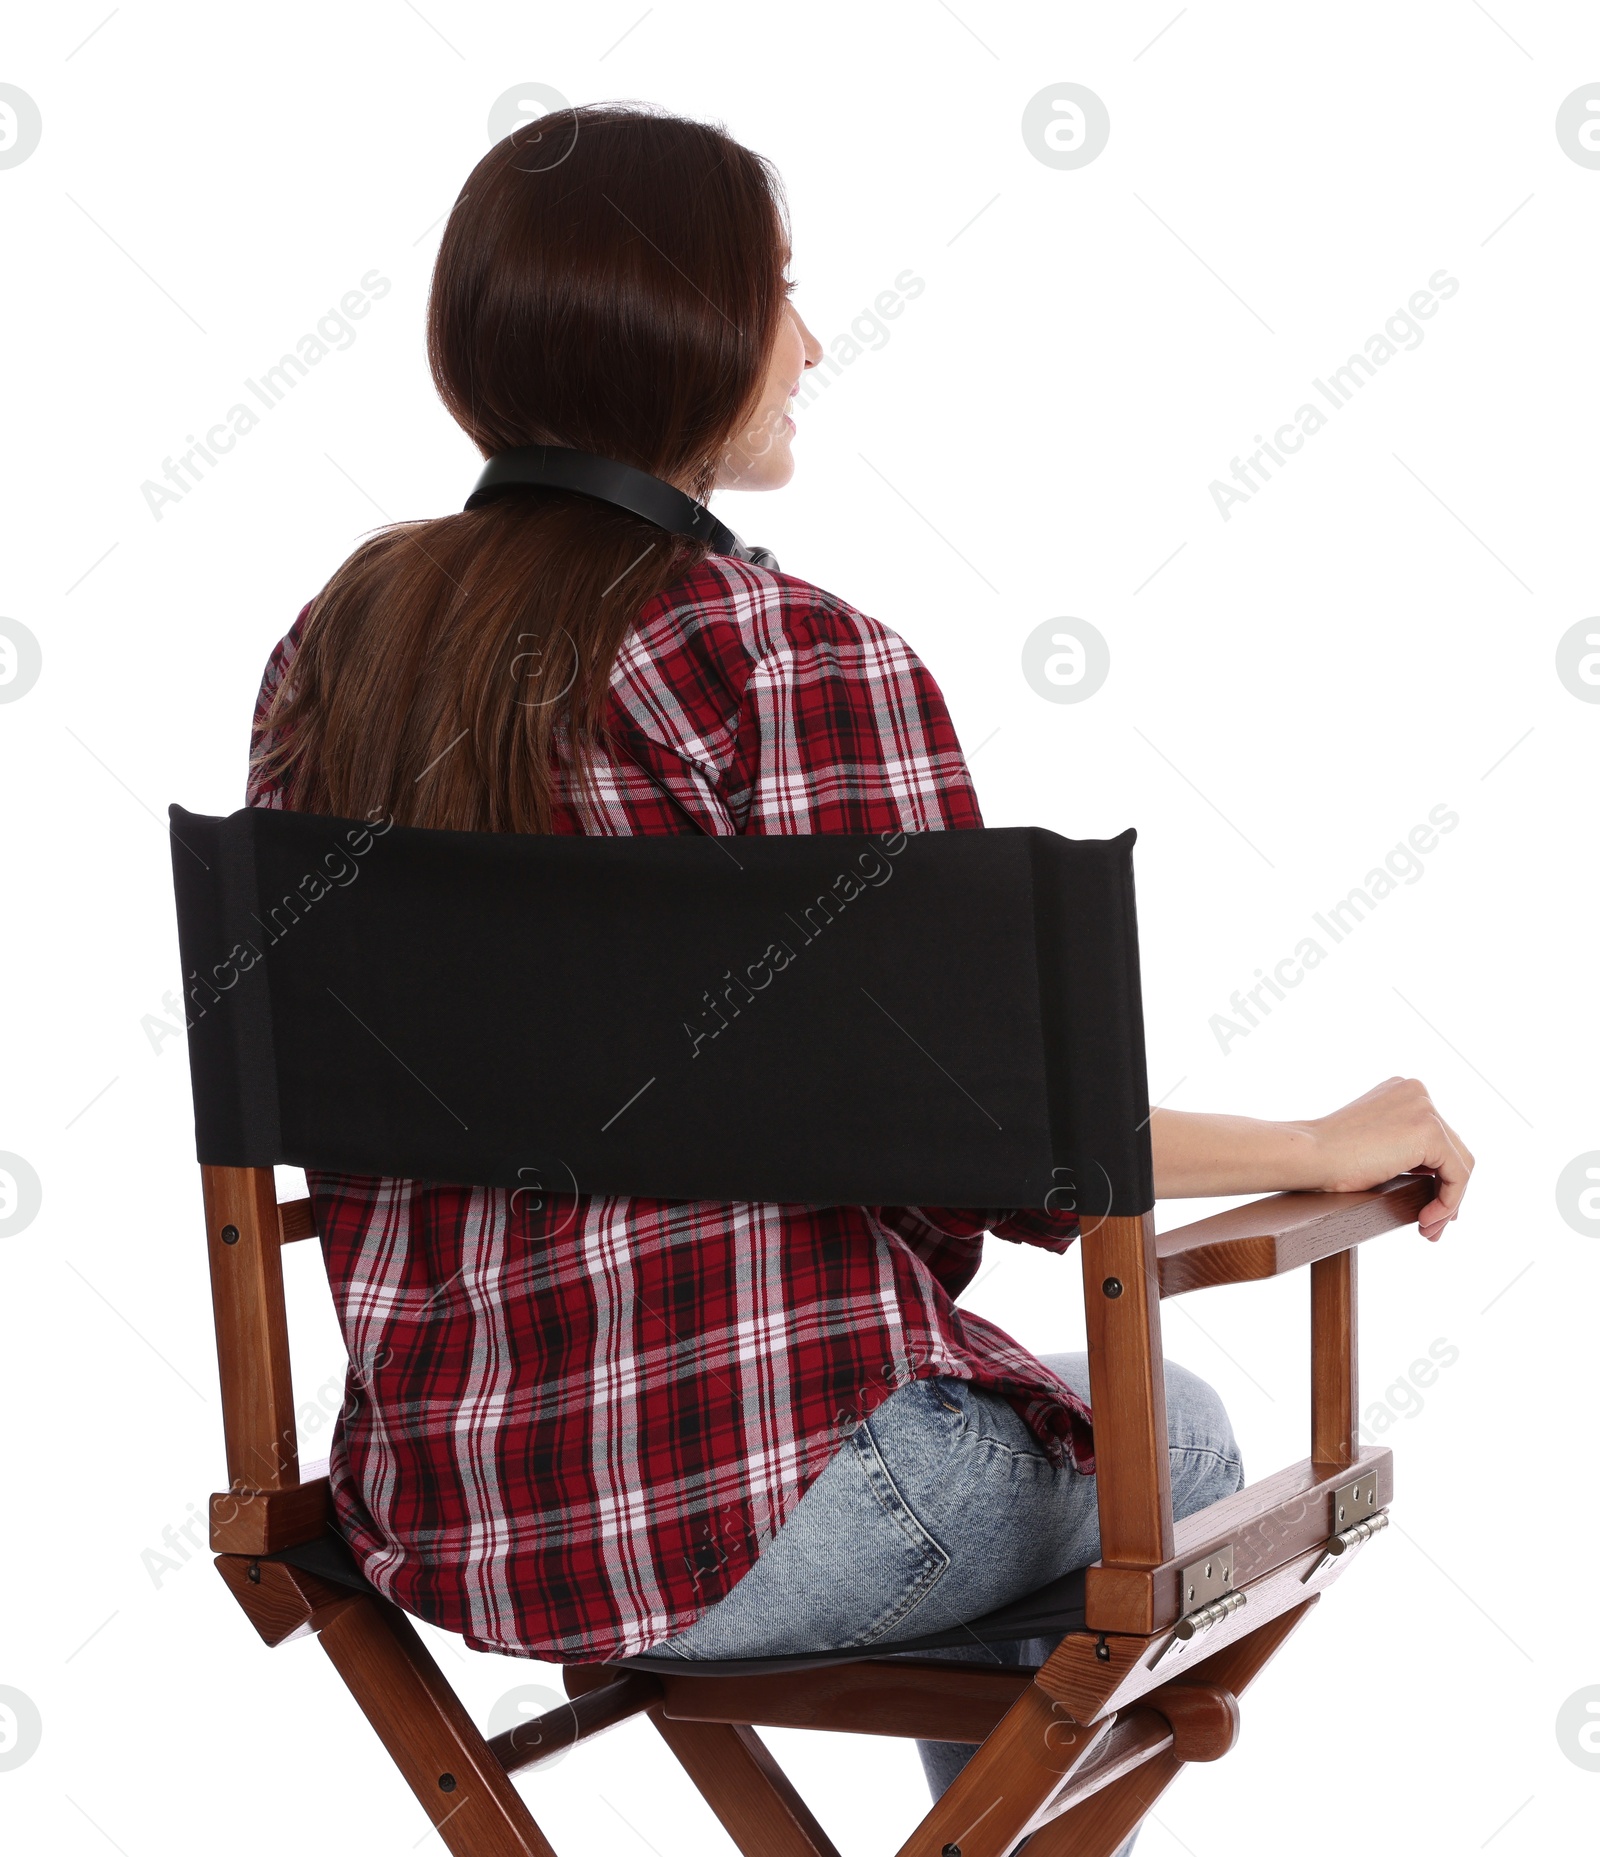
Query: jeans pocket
[(851, 1561), (906, 1559)]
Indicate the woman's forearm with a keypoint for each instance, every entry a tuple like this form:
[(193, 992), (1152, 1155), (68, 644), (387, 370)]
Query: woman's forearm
[(1392, 1129), (1198, 1155)]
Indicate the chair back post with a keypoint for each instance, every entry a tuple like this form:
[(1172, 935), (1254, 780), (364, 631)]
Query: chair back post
[(1335, 1382), (1127, 1390), (242, 1238)]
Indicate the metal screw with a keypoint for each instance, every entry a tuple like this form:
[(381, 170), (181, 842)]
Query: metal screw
[(230, 1234), (1102, 1650), (253, 1573), (1112, 1286), (951, 1850), (447, 1782)]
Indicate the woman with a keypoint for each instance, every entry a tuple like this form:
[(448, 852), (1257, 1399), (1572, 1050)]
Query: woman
[(581, 1427)]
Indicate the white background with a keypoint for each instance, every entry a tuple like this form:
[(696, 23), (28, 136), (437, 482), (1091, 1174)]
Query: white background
[(1373, 634)]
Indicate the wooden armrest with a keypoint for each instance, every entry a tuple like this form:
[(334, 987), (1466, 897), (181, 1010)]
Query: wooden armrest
[(1283, 1233)]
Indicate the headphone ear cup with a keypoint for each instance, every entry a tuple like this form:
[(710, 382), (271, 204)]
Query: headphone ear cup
[(754, 554)]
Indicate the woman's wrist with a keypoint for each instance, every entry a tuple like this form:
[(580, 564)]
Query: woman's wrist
[(1306, 1156)]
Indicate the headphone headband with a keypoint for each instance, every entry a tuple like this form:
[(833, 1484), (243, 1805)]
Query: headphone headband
[(608, 482)]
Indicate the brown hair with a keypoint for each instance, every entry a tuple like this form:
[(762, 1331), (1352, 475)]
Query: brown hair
[(610, 279)]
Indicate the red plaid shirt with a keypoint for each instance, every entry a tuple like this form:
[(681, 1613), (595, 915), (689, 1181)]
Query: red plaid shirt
[(572, 1425)]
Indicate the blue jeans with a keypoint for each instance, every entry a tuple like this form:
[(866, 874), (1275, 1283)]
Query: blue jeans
[(939, 1508)]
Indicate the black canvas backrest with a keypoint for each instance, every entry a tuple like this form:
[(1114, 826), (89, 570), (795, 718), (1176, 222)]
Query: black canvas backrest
[(940, 1018)]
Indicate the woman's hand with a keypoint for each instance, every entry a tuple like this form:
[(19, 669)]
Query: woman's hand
[(1393, 1129)]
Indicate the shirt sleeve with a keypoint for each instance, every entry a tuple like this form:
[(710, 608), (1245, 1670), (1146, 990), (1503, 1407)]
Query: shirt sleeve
[(931, 1227), (948, 1240), (260, 789), (842, 728)]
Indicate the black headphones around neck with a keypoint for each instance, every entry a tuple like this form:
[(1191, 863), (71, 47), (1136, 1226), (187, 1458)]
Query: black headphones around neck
[(557, 468)]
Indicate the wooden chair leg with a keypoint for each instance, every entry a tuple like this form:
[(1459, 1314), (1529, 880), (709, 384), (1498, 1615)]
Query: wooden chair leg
[(1098, 1826), (1026, 1760), (474, 1807), (746, 1788)]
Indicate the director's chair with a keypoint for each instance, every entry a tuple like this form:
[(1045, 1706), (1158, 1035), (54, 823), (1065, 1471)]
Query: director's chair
[(345, 981)]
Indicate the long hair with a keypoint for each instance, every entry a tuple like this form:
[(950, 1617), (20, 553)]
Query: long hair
[(610, 279)]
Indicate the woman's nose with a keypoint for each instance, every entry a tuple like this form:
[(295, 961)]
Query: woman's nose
[(812, 347)]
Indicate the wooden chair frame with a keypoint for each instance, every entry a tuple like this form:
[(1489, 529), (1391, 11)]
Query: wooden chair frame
[(1074, 1753)]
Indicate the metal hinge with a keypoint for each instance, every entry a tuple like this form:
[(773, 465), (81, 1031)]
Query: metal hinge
[(1355, 1502), (1205, 1594), (1205, 1580), (1195, 1624), (1356, 1519)]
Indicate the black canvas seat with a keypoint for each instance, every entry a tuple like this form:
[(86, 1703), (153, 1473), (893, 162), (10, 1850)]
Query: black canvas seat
[(1051, 1610)]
